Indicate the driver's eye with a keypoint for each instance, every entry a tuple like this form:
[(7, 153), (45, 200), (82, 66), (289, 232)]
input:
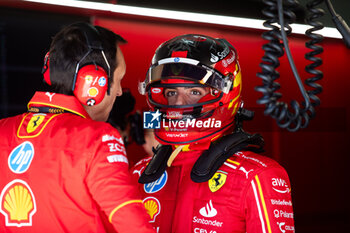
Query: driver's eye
[(170, 93), (195, 92)]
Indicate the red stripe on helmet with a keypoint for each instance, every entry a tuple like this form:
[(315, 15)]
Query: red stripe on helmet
[(179, 54)]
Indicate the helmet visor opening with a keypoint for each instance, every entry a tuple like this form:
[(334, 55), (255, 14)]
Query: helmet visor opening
[(196, 73), (181, 95)]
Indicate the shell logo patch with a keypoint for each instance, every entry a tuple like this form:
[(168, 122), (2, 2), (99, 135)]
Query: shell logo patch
[(217, 181), (17, 204), (34, 122), (92, 92), (21, 157), (152, 207)]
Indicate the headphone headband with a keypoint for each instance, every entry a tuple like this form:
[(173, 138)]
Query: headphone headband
[(91, 34), (93, 42)]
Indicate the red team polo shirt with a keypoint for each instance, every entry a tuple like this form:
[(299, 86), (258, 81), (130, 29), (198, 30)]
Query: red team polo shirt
[(63, 172)]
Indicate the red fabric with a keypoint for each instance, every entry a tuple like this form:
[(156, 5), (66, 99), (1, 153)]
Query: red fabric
[(73, 170), (255, 197)]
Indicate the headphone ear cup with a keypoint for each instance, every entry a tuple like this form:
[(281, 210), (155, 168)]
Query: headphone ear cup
[(45, 70), (91, 85)]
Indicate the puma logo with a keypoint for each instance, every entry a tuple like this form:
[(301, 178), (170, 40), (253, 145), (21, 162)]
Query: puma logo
[(245, 171), (50, 95), (138, 171)]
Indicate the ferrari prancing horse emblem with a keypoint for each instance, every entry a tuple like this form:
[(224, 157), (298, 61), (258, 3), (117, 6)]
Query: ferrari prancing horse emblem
[(217, 181)]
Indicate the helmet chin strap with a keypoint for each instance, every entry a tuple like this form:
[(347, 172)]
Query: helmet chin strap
[(174, 154)]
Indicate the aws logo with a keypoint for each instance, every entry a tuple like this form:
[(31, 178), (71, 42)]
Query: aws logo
[(280, 185), (17, 204)]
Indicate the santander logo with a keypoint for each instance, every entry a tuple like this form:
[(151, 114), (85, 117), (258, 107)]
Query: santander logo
[(208, 210)]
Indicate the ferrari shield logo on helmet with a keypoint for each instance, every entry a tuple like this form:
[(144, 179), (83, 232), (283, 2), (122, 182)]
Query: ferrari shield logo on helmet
[(217, 181)]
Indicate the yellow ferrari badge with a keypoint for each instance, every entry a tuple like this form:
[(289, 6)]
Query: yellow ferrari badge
[(217, 181), (34, 122)]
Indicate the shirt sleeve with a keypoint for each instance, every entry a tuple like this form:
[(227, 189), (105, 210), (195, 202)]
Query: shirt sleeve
[(268, 206), (111, 186)]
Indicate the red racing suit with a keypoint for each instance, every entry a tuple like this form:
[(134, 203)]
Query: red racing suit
[(248, 193), (63, 172)]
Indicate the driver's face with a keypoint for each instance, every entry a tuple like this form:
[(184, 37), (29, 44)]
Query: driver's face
[(185, 95)]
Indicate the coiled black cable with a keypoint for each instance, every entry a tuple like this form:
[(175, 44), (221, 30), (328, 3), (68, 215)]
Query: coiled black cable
[(298, 117), (316, 50)]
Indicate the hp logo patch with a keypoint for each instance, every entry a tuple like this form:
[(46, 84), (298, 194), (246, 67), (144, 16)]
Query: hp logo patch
[(157, 185), (151, 120), (21, 157)]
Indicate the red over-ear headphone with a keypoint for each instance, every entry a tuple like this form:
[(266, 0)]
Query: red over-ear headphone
[(46, 71), (90, 82)]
